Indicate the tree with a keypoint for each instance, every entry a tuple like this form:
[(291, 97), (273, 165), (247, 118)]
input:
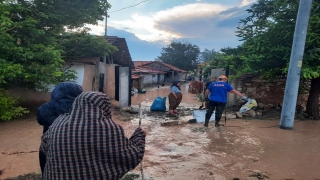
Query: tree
[(207, 55), (216, 61), (37, 36), (182, 55), (34, 37), (81, 44), (268, 35)]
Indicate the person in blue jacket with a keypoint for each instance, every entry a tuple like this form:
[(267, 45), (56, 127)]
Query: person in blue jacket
[(218, 98), (61, 101)]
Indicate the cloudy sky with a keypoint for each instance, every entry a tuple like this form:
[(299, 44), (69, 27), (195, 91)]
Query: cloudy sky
[(153, 24)]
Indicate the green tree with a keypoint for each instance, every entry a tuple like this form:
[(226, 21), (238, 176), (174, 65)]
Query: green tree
[(37, 36), (216, 61), (34, 37), (81, 44), (268, 35), (183, 55), (207, 55)]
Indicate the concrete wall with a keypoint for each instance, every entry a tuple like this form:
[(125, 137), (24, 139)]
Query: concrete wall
[(31, 98), (181, 76), (161, 78), (150, 79), (218, 72), (176, 76), (124, 87), (85, 78), (88, 78), (110, 80)]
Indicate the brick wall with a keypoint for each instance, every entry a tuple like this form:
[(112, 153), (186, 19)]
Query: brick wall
[(269, 92)]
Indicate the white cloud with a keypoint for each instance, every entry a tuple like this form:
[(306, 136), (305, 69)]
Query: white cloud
[(199, 21), (172, 23), (246, 2)]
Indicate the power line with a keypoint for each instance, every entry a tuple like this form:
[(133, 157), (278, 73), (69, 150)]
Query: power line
[(128, 7)]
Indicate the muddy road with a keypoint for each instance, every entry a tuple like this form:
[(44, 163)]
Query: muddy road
[(244, 149)]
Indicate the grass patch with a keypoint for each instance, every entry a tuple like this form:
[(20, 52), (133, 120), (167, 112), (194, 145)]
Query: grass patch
[(29, 176)]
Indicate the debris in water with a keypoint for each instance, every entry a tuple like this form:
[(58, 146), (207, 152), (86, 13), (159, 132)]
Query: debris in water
[(198, 129), (259, 175), (170, 123), (130, 176)]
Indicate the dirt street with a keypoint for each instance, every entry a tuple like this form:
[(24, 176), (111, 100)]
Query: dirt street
[(244, 149)]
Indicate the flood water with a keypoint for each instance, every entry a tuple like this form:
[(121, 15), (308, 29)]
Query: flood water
[(244, 149)]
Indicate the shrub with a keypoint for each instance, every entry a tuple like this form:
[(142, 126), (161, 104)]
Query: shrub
[(9, 107)]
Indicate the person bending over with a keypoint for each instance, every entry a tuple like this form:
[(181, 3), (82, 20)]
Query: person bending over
[(175, 98)]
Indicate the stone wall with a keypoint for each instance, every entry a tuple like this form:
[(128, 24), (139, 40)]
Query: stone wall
[(269, 92)]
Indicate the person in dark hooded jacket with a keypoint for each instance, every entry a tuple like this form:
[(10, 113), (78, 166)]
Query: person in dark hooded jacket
[(61, 101)]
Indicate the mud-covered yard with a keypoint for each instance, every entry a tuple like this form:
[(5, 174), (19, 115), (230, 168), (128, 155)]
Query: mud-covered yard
[(177, 150)]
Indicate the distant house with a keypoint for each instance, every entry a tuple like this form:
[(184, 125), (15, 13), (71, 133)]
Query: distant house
[(148, 76), (171, 73)]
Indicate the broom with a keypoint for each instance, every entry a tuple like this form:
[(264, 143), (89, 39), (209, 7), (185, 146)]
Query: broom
[(140, 117), (202, 99)]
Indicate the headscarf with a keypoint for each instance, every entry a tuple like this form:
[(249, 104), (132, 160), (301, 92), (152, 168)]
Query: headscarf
[(175, 83), (87, 144), (62, 98)]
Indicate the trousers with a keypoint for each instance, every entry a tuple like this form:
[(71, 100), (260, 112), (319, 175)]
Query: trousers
[(214, 105)]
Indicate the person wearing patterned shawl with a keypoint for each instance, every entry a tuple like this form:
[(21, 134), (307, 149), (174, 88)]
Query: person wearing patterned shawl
[(87, 144)]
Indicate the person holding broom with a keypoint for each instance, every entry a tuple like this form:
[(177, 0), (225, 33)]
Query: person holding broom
[(218, 98), (175, 98), (87, 144)]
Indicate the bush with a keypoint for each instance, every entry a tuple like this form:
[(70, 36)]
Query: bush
[(9, 107), (30, 176)]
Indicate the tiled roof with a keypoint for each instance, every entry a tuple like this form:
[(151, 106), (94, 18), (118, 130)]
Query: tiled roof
[(147, 70), (140, 63), (122, 56), (173, 67), (135, 76), (166, 65)]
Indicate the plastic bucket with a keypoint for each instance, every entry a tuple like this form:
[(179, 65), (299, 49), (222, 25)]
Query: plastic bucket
[(200, 115)]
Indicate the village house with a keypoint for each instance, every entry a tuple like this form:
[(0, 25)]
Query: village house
[(147, 77), (110, 74), (161, 72)]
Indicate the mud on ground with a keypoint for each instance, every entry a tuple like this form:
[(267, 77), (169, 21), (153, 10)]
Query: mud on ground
[(244, 149)]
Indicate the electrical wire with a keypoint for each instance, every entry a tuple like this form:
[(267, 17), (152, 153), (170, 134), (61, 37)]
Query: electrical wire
[(128, 7)]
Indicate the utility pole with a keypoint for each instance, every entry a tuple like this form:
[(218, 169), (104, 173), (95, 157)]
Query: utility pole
[(293, 77), (105, 25)]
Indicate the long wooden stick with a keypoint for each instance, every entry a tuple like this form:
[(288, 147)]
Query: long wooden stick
[(140, 118)]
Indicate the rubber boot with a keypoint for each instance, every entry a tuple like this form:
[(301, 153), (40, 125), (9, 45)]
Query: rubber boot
[(216, 124), (206, 122)]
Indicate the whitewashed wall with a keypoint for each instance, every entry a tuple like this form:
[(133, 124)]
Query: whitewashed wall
[(79, 68)]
